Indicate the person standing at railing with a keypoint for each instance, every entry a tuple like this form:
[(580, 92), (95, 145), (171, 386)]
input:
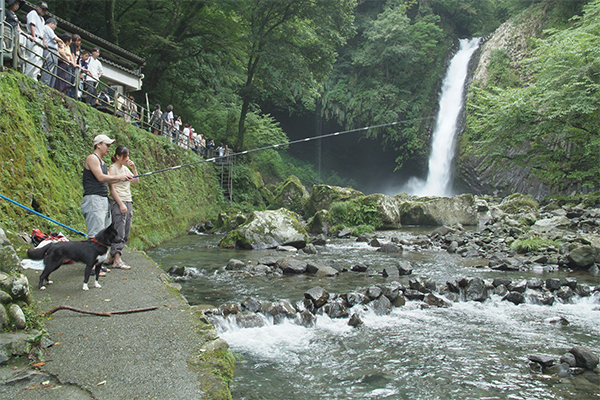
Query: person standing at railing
[(155, 119), (50, 54), (94, 72), (75, 48), (65, 64), (36, 44), (168, 123), (11, 18), (133, 110), (201, 144)]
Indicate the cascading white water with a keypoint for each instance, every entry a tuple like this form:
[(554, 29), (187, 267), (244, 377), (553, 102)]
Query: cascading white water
[(444, 135), (470, 350)]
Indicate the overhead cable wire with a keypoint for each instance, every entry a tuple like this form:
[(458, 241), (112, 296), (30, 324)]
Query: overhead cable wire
[(274, 146)]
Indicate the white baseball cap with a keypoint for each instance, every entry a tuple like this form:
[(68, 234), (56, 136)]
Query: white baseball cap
[(103, 139)]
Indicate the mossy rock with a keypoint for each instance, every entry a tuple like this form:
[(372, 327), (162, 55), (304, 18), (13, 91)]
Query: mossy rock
[(518, 203), (291, 194), (267, 230), (319, 223), (323, 196)]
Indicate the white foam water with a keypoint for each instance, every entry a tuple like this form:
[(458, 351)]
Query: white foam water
[(474, 350), (444, 134)]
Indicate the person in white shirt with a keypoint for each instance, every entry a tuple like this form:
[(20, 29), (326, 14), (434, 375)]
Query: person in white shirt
[(186, 133), (50, 56), (36, 44), (94, 73)]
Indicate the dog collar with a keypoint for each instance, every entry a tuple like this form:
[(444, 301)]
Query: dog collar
[(101, 244)]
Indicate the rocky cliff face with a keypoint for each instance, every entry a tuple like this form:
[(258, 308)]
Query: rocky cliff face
[(501, 176)]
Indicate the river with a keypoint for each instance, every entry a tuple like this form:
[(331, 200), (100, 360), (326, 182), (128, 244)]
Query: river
[(471, 350)]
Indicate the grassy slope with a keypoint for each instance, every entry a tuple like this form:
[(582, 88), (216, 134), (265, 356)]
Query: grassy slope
[(44, 138)]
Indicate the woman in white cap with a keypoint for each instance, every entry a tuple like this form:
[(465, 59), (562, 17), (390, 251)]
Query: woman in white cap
[(94, 205)]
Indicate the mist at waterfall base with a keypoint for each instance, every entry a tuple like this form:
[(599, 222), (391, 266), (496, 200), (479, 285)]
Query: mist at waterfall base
[(471, 350), (451, 104), (352, 156)]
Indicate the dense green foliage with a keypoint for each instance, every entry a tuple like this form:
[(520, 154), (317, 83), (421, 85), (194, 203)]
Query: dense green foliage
[(217, 61), (550, 113), (362, 63), (44, 138)]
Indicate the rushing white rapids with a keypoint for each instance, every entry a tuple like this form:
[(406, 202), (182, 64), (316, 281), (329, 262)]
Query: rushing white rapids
[(444, 134), (471, 350)]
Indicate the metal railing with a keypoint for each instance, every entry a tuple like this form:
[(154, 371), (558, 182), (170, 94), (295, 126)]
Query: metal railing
[(103, 97), (81, 86)]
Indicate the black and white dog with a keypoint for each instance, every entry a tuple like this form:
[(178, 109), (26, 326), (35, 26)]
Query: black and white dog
[(91, 252)]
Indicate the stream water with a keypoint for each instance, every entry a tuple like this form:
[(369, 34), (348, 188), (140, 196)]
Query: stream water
[(468, 351)]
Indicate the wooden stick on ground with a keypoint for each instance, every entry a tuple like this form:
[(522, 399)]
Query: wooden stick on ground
[(100, 314)]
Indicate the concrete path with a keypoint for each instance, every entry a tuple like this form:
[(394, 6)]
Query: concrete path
[(159, 354)]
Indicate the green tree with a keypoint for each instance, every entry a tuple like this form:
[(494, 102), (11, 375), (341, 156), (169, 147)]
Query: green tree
[(289, 47)]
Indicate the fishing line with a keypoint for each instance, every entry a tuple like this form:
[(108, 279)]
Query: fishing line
[(273, 146)]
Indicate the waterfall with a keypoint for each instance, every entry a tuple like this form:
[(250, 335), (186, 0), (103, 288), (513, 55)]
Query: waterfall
[(444, 134)]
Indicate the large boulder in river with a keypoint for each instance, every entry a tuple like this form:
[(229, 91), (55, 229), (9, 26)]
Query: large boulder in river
[(291, 194), (319, 224), (547, 225), (387, 208), (267, 230), (582, 257), (323, 196), (433, 211), (584, 357)]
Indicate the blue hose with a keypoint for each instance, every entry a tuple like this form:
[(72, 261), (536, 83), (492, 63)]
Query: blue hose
[(42, 215)]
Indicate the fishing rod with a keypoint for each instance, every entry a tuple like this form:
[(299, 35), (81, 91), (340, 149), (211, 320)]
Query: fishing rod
[(273, 146), (41, 215)]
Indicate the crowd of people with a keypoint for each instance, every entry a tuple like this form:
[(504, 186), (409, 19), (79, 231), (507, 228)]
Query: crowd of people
[(168, 124), (56, 60)]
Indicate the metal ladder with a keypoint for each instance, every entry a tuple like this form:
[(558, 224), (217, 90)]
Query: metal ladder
[(226, 165)]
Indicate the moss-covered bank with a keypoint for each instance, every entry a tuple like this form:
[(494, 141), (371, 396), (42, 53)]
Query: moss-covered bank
[(44, 138)]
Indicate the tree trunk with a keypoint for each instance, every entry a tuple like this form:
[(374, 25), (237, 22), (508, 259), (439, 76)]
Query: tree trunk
[(111, 23), (241, 124)]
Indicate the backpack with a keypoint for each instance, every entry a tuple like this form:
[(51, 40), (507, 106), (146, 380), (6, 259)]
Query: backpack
[(38, 237)]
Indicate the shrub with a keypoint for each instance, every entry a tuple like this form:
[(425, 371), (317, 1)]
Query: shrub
[(529, 245)]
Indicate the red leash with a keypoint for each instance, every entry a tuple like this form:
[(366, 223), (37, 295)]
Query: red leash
[(101, 244)]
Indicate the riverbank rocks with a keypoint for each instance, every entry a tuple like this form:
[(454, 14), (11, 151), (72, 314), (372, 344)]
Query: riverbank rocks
[(584, 357), (575, 362), (317, 295), (319, 224), (267, 230), (291, 266), (387, 210), (16, 315), (545, 361), (582, 257)]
